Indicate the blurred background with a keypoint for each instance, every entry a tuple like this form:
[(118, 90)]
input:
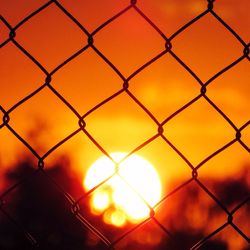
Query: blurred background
[(201, 136)]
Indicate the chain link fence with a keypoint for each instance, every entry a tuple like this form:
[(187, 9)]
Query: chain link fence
[(72, 205)]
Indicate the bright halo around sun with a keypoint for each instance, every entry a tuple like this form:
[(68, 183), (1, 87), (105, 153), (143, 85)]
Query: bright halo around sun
[(126, 196)]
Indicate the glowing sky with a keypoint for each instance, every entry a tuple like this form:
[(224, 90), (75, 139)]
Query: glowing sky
[(163, 87)]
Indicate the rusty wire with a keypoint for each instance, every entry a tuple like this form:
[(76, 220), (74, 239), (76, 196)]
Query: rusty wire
[(90, 45)]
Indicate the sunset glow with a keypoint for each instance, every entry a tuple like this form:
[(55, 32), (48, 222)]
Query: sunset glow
[(128, 195), (125, 122)]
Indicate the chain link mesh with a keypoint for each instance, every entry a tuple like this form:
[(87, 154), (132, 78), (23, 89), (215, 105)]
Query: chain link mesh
[(125, 89)]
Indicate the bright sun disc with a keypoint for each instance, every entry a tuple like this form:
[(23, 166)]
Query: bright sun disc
[(125, 196)]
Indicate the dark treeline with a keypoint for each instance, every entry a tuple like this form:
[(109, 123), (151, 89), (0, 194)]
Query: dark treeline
[(39, 208)]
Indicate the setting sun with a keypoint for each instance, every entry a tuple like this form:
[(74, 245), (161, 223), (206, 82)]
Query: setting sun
[(128, 194)]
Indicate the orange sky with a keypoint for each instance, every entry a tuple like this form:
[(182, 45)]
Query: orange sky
[(163, 87)]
